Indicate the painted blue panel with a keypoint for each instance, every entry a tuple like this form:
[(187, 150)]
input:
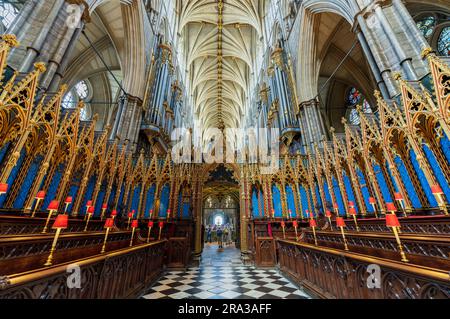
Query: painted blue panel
[(328, 198), (111, 198), (121, 207), (87, 195), (291, 200), (339, 199), (255, 206), (73, 192), (4, 151), (13, 175), (349, 188), (53, 189), (383, 184), (164, 205), (99, 203), (445, 145), (186, 209), (364, 190), (149, 204), (437, 171), (319, 200), (408, 183), (276, 199), (423, 180), (136, 199), (28, 182), (304, 200)]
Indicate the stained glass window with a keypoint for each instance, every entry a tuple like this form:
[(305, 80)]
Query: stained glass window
[(7, 13), (444, 42), (354, 96), (427, 25)]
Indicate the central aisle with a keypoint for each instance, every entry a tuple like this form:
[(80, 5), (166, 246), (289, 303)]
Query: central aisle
[(222, 275)]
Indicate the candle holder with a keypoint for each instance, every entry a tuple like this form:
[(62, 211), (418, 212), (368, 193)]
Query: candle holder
[(109, 224), (130, 216), (400, 200), (313, 225), (439, 195), (161, 225), (90, 213), (134, 225), (52, 208), (283, 227), (373, 202), (104, 208), (352, 212), (88, 206), (328, 215), (393, 223), (295, 224), (39, 198), (61, 223), (67, 203), (114, 214), (340, 223), (150, 226)]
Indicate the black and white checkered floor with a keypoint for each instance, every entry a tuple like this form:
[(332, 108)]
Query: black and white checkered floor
[(221, 275)]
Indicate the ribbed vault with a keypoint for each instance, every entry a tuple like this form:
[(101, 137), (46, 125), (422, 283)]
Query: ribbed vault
[(220, 44)]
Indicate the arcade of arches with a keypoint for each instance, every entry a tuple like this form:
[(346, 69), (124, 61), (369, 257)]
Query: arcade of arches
[(351, 98)]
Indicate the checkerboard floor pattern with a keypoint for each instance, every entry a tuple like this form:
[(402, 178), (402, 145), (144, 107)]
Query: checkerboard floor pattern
[(224, 278)]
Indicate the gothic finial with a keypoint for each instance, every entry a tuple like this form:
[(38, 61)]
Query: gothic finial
[(10, 39), (426, 52), (40, 66), (397, 76)]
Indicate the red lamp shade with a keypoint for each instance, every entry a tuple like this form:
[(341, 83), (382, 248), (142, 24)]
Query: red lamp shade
[(391, 207), (3, 188), (54, 204), (69, 200), (392, 221), (130, 215), (283, 224), (89, 203), (398, 196), (135, 224), (340, 222), (61, 222), (352, 211), (336, 206), (161, 224), (109, 223), (295, 223), (91, 210), (312, 223), (104, 206), (114, 213), (372, 200), (328, 213), (351, 204), (437, 190), (311, 215), (151, 224), (40, 195), (151, 211)]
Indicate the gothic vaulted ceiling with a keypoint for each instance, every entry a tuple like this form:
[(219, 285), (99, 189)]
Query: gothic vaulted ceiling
[(220, 43)]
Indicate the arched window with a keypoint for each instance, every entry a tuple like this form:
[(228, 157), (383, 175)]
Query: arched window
[(68, 101), (443, 45), (7, 14), (80, 92), (427, 25), (354, 98)]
